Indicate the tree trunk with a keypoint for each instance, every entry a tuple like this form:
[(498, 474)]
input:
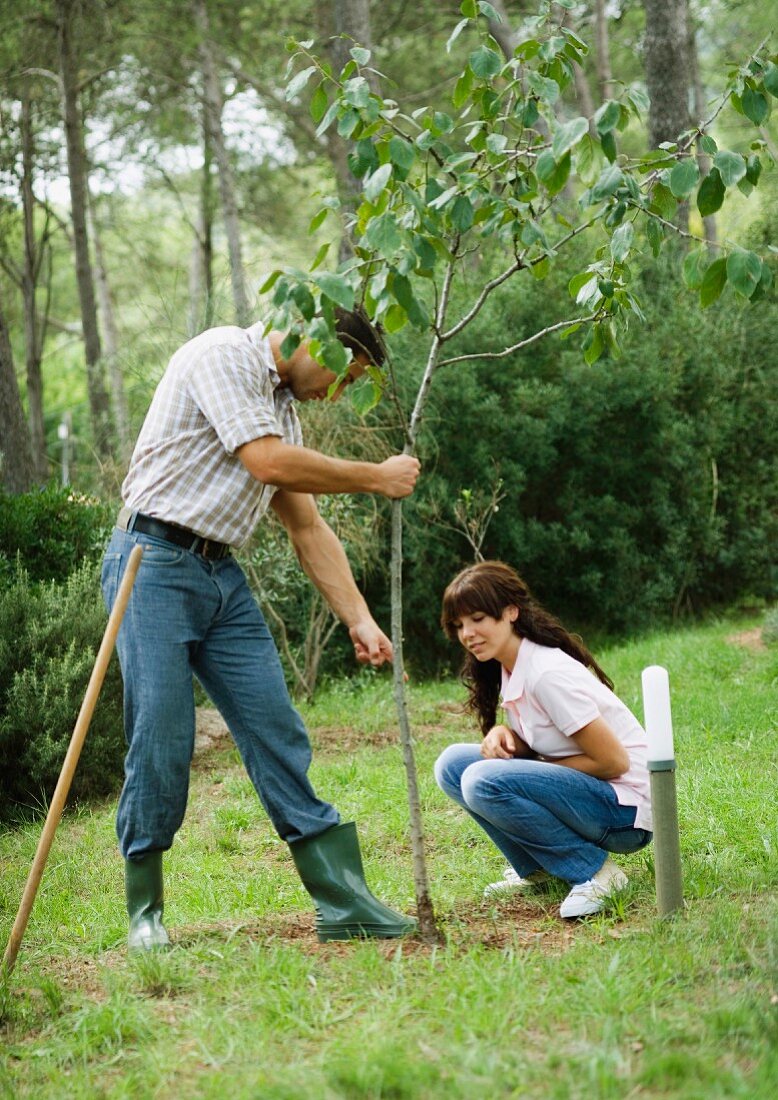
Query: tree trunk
[(77, 175), (667, 69), (32, 326), (201, 259), (349, 18), (214, 106), (698, 115), (121, 410), (16, 466), (604, 72), (667, 77)]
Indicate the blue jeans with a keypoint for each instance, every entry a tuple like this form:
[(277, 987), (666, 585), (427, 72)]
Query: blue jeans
[(191, 617), (540, 816)]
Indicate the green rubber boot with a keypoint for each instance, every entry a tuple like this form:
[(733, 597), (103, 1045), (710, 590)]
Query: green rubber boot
[(330, 866), (143, 882)]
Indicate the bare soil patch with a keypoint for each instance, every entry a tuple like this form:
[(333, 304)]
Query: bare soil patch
[(748, 639)]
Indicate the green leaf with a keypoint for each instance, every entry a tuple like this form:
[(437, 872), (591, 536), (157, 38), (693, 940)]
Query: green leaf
[(356, 92), (568, 136), (403, 292), (320, 255), (337, 288), (318, 219), (463, 87), (461, 213), (298, 82), (382, 235), (377, 182), (711, 193), (486, 9), (290, 344), (552, 174), (270, 281), (731, 166), (771, 79), (334, 356), (753, 169), (469, 9), (456, 33), (593, 345), (303, 299), (713, 282), (684, 177), (744, 270), (656, 236), (395, 318), (694, 266), (610, 180), (608, 143), (401, 153), (607, 117), (708, 144), (621, 242), (360, 55), (544, 88), (485, 63), (496, 143), (319, 103), (755, 105), (329, 118), (664, 201), (364, 396)]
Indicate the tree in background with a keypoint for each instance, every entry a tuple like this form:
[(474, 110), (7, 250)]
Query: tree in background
[(441, 188)]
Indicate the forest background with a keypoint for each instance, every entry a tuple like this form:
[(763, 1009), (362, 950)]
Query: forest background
[(156, 166)]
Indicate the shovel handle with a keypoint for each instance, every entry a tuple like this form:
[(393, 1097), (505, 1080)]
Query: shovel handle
[(62, 789)]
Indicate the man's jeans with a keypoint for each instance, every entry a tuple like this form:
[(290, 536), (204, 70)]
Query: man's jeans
[(540, 815), (189, 616)]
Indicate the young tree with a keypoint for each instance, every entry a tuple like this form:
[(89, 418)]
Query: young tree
[(439, 188)]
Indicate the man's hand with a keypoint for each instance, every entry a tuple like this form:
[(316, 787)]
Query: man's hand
[(501, 743), (399, 474), (371, 645)]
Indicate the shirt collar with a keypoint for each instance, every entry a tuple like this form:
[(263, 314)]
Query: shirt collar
[(513, 682)]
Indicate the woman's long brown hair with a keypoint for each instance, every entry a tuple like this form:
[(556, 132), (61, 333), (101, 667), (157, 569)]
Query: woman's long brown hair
[(490, 587)]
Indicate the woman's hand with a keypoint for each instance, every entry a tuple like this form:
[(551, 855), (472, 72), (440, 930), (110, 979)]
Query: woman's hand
[(501, 743)]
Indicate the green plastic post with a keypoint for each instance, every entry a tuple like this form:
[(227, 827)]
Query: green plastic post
[(667, 842)]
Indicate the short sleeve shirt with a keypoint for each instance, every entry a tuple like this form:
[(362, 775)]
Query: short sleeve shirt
[(219, 391), (549, 696)]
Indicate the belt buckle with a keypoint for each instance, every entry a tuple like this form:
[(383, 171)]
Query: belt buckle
[(205, 549)]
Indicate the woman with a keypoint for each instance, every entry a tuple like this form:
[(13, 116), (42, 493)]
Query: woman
[(564, 782)]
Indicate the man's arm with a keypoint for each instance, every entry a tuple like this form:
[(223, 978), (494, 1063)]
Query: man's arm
[(302, 470), (324, 560)]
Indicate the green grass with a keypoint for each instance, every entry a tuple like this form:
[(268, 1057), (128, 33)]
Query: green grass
[(515, 1004)]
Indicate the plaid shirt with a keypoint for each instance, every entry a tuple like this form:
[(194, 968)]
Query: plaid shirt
[(220, 390)]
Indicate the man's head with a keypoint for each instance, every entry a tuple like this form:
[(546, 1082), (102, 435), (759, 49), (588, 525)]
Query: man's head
[(308, 379)]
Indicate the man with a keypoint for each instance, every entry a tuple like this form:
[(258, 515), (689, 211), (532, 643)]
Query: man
[(221, 442)]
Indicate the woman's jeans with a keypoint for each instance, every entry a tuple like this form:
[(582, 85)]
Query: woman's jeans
[(191, 617), (540, 816)]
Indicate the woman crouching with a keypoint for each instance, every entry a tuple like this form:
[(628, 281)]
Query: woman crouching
[(565, 781)]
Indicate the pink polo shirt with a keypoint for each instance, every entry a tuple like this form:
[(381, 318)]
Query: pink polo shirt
[(549, 696)]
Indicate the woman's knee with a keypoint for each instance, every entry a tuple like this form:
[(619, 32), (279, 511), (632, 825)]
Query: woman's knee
[(479, 786), (451, 764)]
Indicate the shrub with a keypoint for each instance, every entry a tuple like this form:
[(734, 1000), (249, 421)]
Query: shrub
[(49, 637), (52, 530)]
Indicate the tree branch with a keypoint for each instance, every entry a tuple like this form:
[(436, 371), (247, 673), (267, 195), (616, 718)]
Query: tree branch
[(521, 344)]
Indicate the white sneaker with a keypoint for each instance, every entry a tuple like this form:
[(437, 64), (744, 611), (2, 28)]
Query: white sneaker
[(513, 881), (588, 897)]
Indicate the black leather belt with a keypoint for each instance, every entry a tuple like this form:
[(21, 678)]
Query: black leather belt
[(179, 536)]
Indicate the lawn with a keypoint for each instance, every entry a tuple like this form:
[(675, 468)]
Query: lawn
[(515, 1003)]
